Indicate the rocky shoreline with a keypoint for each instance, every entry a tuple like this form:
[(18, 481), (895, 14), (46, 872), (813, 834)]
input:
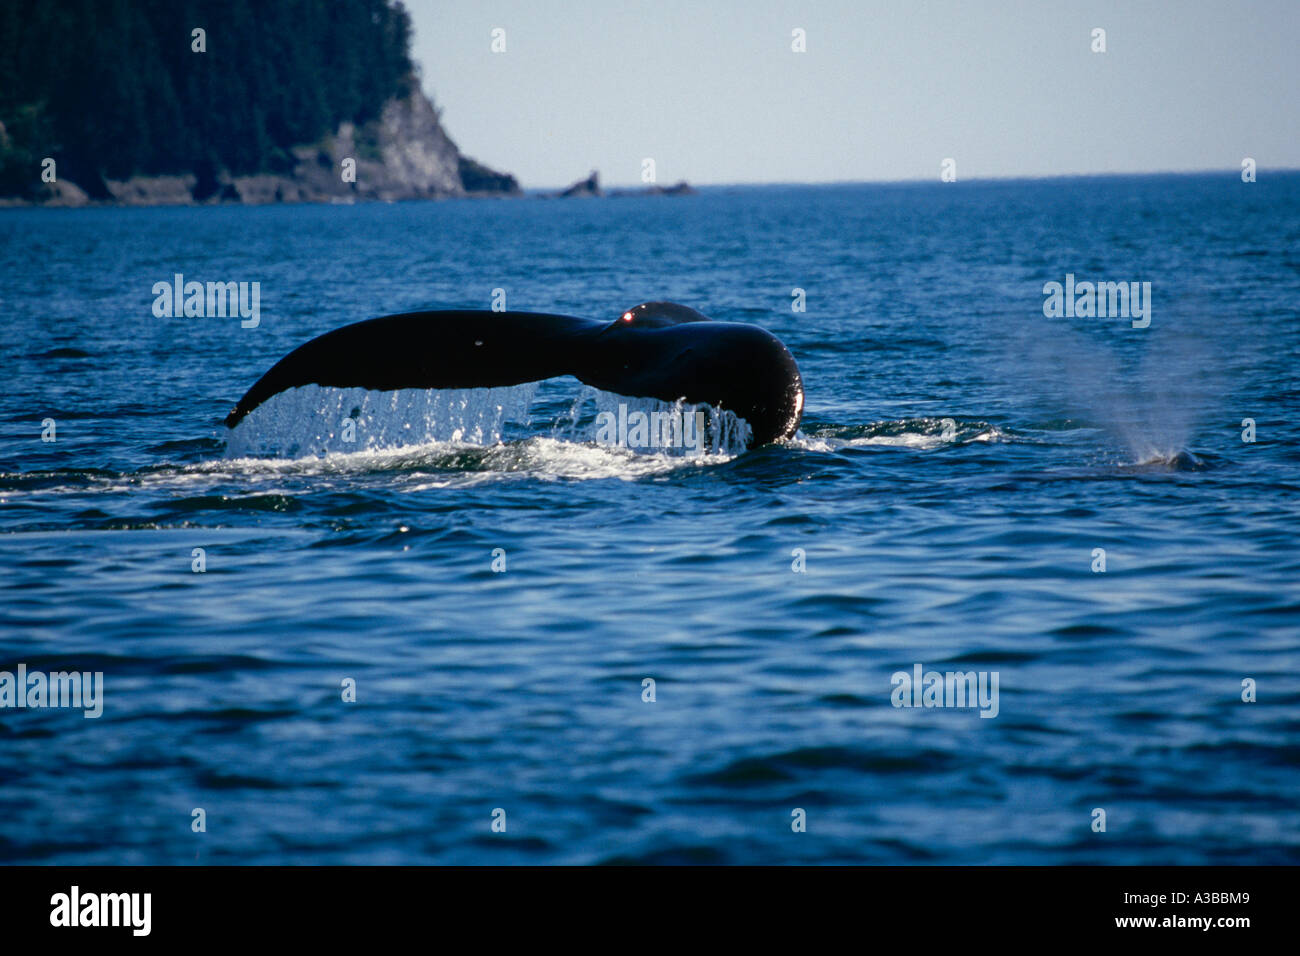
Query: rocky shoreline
[(403, 154)]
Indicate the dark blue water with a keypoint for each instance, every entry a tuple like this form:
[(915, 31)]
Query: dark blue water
[(967, 546)]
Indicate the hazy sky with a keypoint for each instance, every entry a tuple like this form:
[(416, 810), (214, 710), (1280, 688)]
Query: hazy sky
[(712, 92)]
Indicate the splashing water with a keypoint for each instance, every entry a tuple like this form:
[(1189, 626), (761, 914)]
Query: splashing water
[(922, 434), (315, 421), (675, 429)]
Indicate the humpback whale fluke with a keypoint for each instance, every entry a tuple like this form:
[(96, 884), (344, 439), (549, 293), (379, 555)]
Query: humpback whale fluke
[(654, 350)]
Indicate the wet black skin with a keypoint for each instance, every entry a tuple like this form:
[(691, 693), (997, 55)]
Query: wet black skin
[(654, 350)]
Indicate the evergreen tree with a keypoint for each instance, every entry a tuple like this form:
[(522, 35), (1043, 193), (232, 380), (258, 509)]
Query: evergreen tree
[(112, 88)]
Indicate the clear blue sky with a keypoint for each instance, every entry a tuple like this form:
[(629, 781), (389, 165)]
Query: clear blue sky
[(886, 90)]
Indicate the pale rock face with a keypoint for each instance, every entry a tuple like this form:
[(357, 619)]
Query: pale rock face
[(417, 153), (65, 194), (152, 190)]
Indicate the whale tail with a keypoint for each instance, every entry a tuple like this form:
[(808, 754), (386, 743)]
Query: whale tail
[(446, 349), (655, 350)]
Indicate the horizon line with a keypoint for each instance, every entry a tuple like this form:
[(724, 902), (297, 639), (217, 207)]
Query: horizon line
[(1014, 177)]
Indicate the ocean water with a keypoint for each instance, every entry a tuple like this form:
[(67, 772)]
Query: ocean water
[(962, 460)]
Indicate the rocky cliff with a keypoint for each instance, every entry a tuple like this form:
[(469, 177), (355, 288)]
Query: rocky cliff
[(404, 153)]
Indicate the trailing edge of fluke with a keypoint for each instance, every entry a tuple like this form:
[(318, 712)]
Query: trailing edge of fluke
[(654, 350)]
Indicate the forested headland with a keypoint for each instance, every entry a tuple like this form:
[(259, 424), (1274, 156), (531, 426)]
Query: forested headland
[(244, 100)]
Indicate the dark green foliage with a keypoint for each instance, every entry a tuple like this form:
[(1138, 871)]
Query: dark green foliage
[(111, 88)]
